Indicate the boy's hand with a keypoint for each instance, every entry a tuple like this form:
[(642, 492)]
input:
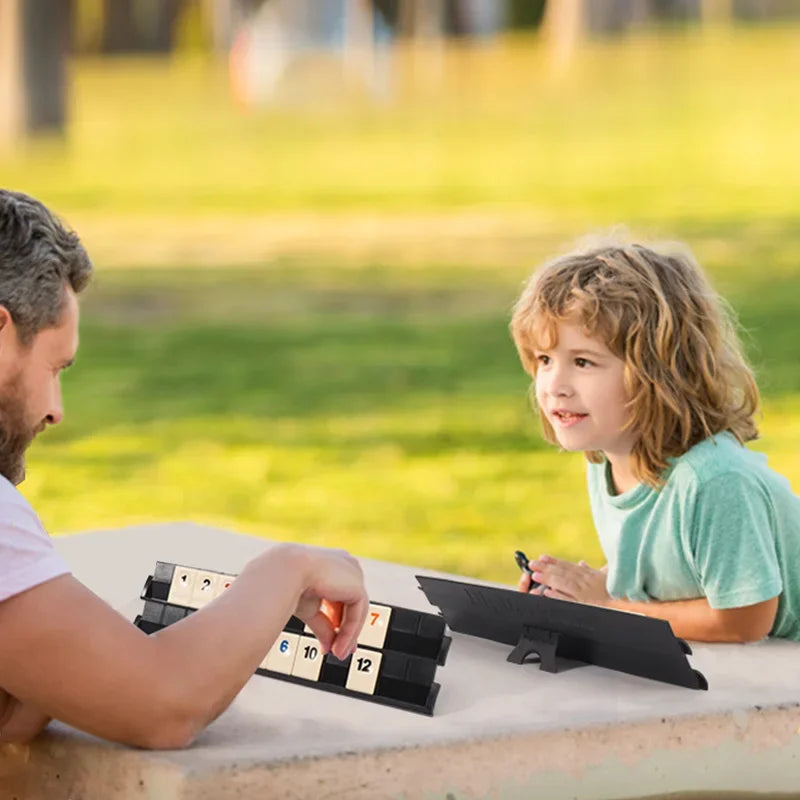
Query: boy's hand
[(563, 580)]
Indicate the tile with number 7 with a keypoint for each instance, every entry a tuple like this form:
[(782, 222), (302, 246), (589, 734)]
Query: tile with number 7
[(373, 634)]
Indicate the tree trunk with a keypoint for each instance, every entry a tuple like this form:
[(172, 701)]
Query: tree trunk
[(12, 110), (33, 49), (44, 59), (119, 28), (139, 26), (421, 18), (563, 26)]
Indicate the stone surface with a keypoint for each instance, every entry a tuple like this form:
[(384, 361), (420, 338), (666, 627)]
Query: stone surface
[(499, 730)]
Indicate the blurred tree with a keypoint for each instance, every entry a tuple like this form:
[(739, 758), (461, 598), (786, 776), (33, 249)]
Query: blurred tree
[(563, 25), (34, 35), (565, 22), (146, 26), (421, 18), (87, 26), (525, 13), (716, 11), (11, 91)]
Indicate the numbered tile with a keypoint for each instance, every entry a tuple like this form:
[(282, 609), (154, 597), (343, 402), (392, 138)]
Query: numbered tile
[(308, 661), (163, 572), (206, 588), (182, 588), (282, 654), (363, 673), (225, 582), (373, 634)]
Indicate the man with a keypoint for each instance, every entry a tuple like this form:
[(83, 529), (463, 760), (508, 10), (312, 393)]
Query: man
[(63, 652)]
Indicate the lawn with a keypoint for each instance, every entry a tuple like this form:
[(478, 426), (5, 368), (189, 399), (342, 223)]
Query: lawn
[(299, 327)]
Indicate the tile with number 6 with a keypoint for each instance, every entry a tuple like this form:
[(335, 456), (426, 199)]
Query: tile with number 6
[(282, 654)]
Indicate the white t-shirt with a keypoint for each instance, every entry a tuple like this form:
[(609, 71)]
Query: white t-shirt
[(27, 555)]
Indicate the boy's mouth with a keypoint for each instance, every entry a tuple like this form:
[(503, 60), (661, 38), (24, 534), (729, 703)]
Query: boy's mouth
[(567, 418)]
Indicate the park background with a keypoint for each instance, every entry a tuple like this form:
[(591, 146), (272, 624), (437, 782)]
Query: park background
[(306, 265)]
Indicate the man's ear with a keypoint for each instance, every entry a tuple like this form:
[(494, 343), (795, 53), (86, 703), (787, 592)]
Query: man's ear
[(7, 327)]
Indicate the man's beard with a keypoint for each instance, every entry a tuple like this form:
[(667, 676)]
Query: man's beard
[(15, 434)]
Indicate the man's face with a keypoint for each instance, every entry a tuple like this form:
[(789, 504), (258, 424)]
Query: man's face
[(30, 388)]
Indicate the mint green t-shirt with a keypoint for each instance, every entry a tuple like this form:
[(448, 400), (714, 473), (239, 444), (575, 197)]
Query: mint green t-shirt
[(724, 526)]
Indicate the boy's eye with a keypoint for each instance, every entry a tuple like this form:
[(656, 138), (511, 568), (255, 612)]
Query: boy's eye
[(582, 362), (543, 359)]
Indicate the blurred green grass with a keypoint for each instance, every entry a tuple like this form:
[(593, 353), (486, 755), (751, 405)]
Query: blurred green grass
[(357, 386), (653, 126)]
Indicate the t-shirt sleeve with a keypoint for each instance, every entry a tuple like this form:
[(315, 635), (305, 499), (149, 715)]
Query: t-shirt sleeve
[(27, 555), (732, 542)]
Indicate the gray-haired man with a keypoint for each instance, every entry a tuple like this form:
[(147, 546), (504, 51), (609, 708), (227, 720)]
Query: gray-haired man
[(119, 680)]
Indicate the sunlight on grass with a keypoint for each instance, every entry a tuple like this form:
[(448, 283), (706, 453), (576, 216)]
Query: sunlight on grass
[(649, 127), (345, 481), (454, 507)]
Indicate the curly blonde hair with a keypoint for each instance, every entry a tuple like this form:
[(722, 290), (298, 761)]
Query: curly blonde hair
[(685, 374)]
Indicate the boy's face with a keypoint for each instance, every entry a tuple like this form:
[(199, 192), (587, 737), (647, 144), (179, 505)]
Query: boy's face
[(580, 389)]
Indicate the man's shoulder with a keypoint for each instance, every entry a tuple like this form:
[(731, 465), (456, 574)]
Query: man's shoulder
[(14, 508)]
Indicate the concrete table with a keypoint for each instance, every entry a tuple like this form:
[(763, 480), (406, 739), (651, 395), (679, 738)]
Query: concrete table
[(499, 730)]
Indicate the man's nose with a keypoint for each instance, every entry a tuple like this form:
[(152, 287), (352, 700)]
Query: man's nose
[(56, 412)]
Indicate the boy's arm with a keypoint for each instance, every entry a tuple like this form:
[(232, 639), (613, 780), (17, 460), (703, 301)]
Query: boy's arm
[(71, 656), (696, 620), (690, 619)]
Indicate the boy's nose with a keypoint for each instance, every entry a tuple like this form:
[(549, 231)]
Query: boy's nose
[(559, 386)]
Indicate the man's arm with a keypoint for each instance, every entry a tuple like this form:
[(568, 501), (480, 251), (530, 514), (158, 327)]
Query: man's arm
[(19, 722), (68, 655)]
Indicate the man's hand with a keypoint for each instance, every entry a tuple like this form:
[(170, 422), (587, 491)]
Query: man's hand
[(563, 580), (335, 604), (153, 691)]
